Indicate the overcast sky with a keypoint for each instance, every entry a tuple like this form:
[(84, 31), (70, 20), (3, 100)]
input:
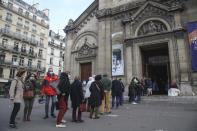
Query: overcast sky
[(61, 11)]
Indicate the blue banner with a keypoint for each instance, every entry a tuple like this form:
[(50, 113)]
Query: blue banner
[(192, 31)]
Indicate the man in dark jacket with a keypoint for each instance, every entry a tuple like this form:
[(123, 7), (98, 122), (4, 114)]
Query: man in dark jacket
[(116, 92)]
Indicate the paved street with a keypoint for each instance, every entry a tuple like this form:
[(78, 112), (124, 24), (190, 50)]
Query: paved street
[(147, 116)]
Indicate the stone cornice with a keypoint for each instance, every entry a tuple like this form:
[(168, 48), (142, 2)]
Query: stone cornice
[(82, 17), (119, 9), (177, 33)]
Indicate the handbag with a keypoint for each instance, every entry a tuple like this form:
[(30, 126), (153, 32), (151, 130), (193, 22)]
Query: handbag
[(28, 94), (82, 107), (55, 87)]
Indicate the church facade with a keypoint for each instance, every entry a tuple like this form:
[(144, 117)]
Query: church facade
[(127, 38)]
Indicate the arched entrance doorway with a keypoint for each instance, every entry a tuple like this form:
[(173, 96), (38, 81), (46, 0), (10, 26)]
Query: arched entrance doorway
[(156, 65)]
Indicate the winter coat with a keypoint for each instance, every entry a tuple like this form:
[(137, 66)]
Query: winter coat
[(132, 89), (32, 87), (97, 94), (87, 90), (116, 88), (16, 90), (106, 83), (64, 86), (46, 84), (76, 93)]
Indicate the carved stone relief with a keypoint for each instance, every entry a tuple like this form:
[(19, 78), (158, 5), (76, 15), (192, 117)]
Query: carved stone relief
[(151, 27)]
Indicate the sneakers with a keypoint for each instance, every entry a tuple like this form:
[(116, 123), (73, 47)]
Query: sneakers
[(45, 117), (60, 126), (53, 115), (63, 121), (12, 126), (134, 103)]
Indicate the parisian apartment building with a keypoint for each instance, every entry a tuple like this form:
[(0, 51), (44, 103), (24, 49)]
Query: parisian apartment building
[(24, 33), (55, 52)]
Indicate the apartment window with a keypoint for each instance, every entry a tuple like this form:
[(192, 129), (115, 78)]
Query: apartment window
[(60, 63), (40, 53), (29, 62), (31, 50), (59, 72), (20, 23), (42, 22), (12, 73), (60, 53), (34, 17), (33, 28), (25, 35), (51, 61), (9, 17), (39, 65), (18, 33), (61, 45), (14, 58), (41, 41), (42, 32), (21, 63), (27, 14), (16, 46), (23, 48), (52, 51), (10, 5), (52, 41), (1, 72), (33, 38), (20, 11), (2, 58), (7, 28), (26, 25), (4, 42)]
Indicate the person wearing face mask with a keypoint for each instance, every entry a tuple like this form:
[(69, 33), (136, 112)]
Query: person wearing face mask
[(30, 86), (16, 95), (49, 92)]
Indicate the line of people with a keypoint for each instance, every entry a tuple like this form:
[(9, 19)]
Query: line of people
[(97, 94)]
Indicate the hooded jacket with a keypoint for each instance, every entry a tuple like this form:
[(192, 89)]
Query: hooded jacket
[(46, 85)]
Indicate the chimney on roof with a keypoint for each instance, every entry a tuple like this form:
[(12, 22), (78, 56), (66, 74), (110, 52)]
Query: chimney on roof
[(46, 11), (36, 6)]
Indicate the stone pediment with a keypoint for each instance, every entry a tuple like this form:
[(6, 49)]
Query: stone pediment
[(86, 51), (151, 8)]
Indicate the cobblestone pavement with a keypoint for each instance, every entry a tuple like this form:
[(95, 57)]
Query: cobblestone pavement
[(147, 116)]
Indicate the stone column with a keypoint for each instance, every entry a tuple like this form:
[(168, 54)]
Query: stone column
[(67, 57), (183, 57)]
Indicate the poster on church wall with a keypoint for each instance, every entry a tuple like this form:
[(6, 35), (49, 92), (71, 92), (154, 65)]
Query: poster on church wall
[(117, 55), (192, 32)]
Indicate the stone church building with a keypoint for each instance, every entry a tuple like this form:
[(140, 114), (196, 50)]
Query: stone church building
[(127, 38)]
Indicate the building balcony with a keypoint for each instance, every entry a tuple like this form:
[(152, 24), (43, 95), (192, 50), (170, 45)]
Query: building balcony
[(56, 45), (9, 63), (18, 36), (14, 9)]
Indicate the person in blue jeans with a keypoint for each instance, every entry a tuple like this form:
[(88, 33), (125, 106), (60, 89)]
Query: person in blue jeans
[(49, 92)]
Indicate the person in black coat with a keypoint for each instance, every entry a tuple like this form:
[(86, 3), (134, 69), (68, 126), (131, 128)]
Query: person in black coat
[(76, 95), (116, 92), (96, 96), (64, 88)]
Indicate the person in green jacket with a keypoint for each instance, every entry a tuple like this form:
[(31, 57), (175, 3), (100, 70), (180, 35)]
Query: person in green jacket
[(107, 89)]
